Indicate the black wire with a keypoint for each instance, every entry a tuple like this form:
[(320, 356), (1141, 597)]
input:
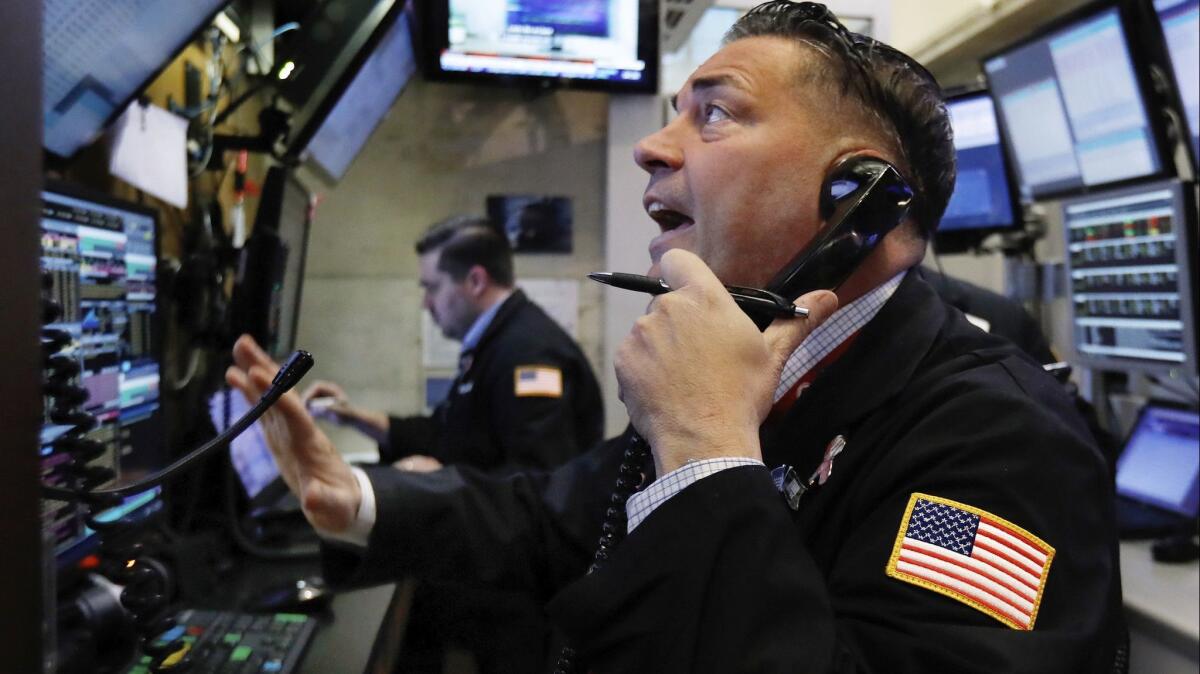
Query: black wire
[(629, 479), (291, 372)]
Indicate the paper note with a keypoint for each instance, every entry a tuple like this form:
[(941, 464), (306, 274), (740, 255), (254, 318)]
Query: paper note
[(149, 151)]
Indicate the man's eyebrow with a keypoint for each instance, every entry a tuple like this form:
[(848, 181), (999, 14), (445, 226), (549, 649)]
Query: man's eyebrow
[(709, 82)]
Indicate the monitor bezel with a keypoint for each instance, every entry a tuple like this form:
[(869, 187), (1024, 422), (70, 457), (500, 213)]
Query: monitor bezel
[(1186, 238), (960, 240), (1151, 104), (53, 158), (295, 181), (313, 112), (82, 548), (1150, 29), (434, 21)]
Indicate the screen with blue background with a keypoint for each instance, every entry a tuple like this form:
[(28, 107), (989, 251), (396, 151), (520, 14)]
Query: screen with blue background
[(982, 195)]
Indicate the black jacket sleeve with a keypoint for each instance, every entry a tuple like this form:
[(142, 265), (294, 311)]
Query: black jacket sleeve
[(720, 578), (532, 531), (407, 436), (535, 432)]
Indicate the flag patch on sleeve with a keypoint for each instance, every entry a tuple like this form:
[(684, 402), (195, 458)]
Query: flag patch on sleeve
[(537, 381), (972, 556)]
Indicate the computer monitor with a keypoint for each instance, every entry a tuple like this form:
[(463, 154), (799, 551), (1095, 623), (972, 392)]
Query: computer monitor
[(101, 255), (270, 273), (610, 45), (1159, 465), (315, 64), (1130, 259), (99, 54), (1180, 22), (1073, 108), (248, 452), (984, 200), (362, 106)]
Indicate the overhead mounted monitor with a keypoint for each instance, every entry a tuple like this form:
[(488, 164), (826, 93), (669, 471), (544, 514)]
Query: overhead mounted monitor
[(364, 103), (1180, 20), (315, 64), (1130, 255), (597, 44), (1073, 107), (984, 198), (99, 54)]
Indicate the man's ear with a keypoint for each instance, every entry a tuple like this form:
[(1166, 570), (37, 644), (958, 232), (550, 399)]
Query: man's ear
[(477, 280)]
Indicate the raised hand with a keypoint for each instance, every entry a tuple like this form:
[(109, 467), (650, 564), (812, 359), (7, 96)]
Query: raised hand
[(308, 462), (696, 375)]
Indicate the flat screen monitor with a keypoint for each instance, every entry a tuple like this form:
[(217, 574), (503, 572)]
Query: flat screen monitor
[(270, 273), (364, 103), (1073, 108), (984, 200), (598, 44), (100, 255), (99, 54), (1180, 20), (248, 453), (1130, 253), (1159, 464)]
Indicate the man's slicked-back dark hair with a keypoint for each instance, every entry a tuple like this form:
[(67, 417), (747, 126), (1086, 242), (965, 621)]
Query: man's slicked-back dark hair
[(466, 241), (894, 89)]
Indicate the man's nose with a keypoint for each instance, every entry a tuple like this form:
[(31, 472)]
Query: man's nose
[(659, 150)]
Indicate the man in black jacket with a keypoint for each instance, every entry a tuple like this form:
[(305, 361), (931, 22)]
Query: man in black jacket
[(525, 395), (955, 516)]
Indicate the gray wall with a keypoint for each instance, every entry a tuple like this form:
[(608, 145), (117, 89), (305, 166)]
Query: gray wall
[(440, 151)]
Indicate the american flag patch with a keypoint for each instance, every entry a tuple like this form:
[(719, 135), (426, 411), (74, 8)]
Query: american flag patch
[(537, 380), (974, 557)]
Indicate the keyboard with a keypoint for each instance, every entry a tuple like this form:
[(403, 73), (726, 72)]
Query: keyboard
[(225, 642)]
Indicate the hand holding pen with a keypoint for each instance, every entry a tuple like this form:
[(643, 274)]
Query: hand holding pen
[(751, 300)]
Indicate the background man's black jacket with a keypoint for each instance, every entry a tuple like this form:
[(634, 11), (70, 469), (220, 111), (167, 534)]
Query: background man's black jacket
[(483, 424)]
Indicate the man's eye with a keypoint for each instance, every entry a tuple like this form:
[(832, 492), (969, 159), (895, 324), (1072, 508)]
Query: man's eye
[(713, 114)]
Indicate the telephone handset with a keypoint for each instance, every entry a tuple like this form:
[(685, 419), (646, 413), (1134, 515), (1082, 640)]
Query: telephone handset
[(862, 199)]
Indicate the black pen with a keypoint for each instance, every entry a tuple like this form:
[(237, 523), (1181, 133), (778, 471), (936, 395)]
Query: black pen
[(749, 299)]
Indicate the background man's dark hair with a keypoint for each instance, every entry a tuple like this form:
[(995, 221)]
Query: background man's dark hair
[(466, 241), (898, 92)]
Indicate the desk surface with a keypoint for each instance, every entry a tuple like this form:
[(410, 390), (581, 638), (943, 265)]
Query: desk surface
[(1165, 595)]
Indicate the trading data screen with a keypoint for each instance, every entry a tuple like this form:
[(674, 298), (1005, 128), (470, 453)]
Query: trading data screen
[(96, 53), (1181, 26), (365, 102), (1072, 108), (574, 39), (982, 196), (1129, 281), (102, 262)]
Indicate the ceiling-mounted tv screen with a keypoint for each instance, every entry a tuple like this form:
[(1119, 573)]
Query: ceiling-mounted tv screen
[(594, 44)]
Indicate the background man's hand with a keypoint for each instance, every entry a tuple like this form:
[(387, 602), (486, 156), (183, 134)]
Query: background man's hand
[(326, 391), (372, 423), (696, 375), (418, 463), (308, 462)]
